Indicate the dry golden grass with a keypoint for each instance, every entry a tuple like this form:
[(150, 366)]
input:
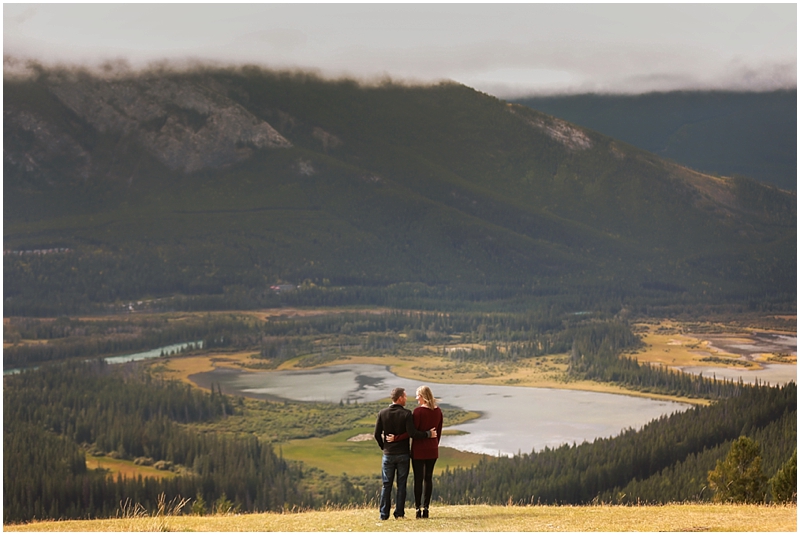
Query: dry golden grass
[(126, 468), (267, 313), (675, 349), (180, 368), (25, 342), (683, 517), (667, 343)]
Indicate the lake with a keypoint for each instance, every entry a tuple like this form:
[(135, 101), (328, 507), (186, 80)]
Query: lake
[(513, 419)]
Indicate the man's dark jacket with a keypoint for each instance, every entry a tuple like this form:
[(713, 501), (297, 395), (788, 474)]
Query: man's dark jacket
[(396, 420)]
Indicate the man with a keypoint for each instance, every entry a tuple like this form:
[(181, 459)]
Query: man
[(396, 420)]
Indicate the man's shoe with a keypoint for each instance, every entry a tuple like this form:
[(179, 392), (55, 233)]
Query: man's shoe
[(425, 513), (419, 513), (398, 517)]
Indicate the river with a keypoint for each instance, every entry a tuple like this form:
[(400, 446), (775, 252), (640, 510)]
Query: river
[(131, 357)]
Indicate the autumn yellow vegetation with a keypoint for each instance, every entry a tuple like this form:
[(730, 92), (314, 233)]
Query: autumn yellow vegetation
[(675, 517)]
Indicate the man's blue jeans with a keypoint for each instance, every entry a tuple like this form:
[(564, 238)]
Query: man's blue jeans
[(392, 464)]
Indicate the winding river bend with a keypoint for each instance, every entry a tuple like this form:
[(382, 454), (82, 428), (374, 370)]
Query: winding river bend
[(513, 419)]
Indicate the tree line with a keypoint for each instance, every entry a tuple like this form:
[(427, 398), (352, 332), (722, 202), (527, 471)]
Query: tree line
[(594, 341), (73, 338), (86, 281), (595, 355)]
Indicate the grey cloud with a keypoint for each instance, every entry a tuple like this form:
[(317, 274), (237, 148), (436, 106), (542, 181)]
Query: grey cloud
[(25, 15), (282, 39), (623, 47)]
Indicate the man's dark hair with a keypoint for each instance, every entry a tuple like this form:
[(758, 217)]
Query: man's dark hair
[(397, 393)]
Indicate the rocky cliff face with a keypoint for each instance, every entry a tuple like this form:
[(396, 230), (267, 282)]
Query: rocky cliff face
[(42, 151), (185, 125), (568, 135)]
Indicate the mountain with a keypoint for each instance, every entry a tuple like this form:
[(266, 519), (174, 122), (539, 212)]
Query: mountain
[(228, 181), (750, 134)]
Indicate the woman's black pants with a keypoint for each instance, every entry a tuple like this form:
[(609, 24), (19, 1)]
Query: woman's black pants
[(423, 479)]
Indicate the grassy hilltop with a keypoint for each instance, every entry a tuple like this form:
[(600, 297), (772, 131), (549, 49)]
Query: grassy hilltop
[(225, 182), (680, 517)]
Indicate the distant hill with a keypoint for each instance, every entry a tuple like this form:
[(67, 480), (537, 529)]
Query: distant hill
[(750, 134), (226, 182)]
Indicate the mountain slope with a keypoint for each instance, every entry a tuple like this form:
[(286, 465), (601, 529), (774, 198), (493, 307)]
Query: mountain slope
[(230, 180), (751, 134)]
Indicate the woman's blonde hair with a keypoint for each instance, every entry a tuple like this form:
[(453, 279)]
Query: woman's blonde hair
[(427, 396)]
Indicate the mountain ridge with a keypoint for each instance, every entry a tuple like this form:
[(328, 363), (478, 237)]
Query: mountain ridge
[(308, 179)]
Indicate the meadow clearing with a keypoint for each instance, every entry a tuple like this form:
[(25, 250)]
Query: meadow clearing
[(125, 468)]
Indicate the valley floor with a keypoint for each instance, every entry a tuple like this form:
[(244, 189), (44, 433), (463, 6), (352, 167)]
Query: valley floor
[(665, 342), (682, 517)]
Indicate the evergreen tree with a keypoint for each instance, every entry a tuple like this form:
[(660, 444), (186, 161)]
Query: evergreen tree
[(784, 483), (739, 478), (223, 506), (199, 505)]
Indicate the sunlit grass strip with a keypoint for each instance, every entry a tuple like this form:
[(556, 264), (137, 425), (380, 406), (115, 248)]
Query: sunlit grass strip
[(336, 455), (678, 517), (126, 468)]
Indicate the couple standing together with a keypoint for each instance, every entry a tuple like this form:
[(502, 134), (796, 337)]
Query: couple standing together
[(394, 427)]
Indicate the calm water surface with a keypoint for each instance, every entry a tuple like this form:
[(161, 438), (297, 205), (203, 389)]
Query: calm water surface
[(514, 419), (153, 353), (774, 374)]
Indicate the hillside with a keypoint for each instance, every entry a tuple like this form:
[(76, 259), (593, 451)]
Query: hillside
[(689, 517), (750, 134), (226, 182)]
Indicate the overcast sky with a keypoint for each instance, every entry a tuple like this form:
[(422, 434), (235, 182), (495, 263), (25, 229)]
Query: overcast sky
[(506, 50)]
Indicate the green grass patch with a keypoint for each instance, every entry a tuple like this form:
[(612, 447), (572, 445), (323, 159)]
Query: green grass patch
[(337, 455)]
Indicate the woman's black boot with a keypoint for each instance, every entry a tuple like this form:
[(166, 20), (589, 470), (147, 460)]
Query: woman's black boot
[(419, 513), (424, 513)]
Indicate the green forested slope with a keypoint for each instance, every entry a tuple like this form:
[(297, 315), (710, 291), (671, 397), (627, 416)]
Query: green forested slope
[(167, 184), (89, 405)]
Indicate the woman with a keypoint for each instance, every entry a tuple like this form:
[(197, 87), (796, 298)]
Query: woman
[(424, 451)]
